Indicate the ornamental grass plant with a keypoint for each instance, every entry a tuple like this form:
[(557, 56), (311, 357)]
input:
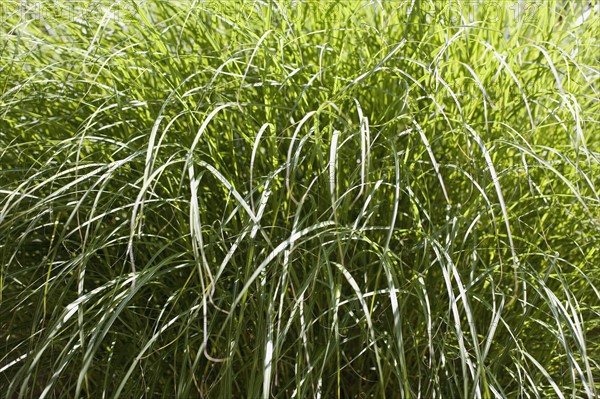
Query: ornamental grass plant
[(299, 199)]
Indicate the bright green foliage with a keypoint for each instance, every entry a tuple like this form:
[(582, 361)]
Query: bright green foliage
[(301, 199)]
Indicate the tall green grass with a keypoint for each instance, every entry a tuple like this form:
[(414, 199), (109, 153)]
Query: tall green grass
[(299, 199)]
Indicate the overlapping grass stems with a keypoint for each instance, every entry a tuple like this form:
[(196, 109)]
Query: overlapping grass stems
[(299, 199)]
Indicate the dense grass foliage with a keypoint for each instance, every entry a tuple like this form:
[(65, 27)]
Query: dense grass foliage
[(299, 199)]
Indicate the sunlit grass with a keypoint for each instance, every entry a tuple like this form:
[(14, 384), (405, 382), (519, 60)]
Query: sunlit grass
[(299, 199)]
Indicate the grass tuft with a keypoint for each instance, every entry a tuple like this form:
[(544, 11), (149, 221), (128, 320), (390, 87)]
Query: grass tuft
[(299, 199)]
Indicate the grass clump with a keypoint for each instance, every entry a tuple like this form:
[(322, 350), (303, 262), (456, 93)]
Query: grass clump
[(299, 199)]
